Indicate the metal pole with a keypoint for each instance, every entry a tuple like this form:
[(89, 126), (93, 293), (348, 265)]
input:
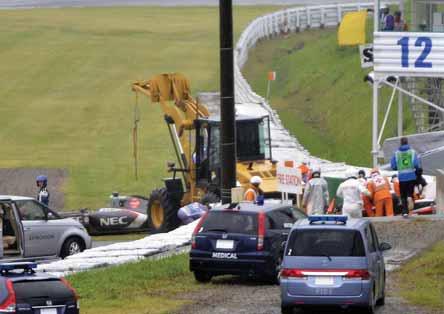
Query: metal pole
[(376, 16), (387, 114), (400, 112), (228, 123), (375, 147), (268, 90)]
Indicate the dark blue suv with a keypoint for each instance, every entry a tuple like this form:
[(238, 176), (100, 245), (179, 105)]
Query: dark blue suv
[(22, 291), (242, 239)]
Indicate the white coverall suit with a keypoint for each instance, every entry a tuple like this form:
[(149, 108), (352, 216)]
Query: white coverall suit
[(316, 196), (350, 191)]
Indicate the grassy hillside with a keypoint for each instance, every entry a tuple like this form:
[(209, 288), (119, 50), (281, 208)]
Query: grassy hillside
[(320, 94), (65, 91)]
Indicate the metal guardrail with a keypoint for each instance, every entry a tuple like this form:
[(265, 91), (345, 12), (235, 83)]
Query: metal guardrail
[(281, 23)]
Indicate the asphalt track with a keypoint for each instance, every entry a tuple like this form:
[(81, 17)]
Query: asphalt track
[(23, 4)]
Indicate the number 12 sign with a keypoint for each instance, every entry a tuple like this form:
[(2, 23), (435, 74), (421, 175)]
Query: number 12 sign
[(409, 54)]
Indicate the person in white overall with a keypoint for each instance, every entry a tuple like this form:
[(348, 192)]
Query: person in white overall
[(350, 191)]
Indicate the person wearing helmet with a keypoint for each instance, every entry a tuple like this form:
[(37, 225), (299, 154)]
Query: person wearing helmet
[(379, 188), (43, 194), (367, 202), (315, 199), (254, 190), (351, 191)]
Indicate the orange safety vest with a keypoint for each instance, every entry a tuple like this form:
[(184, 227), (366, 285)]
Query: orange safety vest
[(250, 195), (379, 187)]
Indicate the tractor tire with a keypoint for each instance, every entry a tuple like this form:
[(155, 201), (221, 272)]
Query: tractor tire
[(209, 198), (162, 212)]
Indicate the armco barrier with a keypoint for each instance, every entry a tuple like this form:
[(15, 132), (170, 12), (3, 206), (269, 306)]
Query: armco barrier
[(281, 23)]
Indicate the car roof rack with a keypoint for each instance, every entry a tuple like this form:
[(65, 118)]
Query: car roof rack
[(327, 218), (27, 267)]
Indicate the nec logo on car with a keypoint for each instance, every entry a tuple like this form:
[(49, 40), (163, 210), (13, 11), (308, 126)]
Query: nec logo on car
[(224, 255)]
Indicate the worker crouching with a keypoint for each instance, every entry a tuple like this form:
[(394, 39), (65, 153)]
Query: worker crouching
[(379, 188)]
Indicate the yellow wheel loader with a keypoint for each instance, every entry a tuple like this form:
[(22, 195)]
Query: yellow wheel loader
[(196, 139)]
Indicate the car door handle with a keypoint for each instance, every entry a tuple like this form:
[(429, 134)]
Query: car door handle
[(28, 228)]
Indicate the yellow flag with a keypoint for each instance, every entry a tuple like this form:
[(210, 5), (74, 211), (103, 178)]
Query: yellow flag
[(352, 29)]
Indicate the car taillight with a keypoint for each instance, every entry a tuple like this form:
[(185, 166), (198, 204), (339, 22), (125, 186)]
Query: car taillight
[(260, 231), (287, 273), (357, 274), (68, 285), (197, 229), (8, 306)]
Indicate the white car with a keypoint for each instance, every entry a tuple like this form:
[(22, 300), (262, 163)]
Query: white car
[(31, 230)]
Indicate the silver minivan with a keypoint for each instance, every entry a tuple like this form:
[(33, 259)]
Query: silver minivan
[(31, 230)]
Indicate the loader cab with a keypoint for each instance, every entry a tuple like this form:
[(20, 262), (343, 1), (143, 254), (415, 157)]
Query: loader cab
[(253, 144)]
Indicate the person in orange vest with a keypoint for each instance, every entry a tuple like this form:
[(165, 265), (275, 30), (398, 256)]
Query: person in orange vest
[(305, 171), (379, 188), (368, 205), (254, 190)]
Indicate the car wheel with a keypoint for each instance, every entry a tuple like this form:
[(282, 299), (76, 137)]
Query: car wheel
[(371, 309), (274, 278), (202, 276), (381, 300), (72, 246), (286, 309)]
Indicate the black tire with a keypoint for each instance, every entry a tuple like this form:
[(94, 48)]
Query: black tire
[(162, 212), (71, 246), (371, 309), (273, 278), (202, 276), (286, 309), (381, 300), (209, 198)]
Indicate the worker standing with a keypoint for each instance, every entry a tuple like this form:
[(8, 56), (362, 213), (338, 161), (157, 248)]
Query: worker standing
[(251, 195), (43, 194), (351, 191), (367, 202), (406, 161), (305, 171), (379, 188), (316, 195)]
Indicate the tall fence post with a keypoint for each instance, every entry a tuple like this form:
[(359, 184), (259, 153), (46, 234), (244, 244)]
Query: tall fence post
[(440, 192)]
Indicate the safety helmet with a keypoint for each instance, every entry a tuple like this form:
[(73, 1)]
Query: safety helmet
[(256, 180), (361, 173), (316, 170), (43, 179)]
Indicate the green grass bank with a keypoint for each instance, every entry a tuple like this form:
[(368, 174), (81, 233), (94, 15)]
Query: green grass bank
[(149, 286), (421, 281), (65, 91), (320, 94)]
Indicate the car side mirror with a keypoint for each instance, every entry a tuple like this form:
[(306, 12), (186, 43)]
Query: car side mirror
[(49, 216), (384, 246)]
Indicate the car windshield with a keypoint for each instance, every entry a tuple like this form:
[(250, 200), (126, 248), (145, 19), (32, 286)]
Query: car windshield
[(324, 242), (231, 222)]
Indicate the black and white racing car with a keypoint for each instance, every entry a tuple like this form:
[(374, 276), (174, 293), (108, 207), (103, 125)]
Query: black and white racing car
[(126, 214)]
